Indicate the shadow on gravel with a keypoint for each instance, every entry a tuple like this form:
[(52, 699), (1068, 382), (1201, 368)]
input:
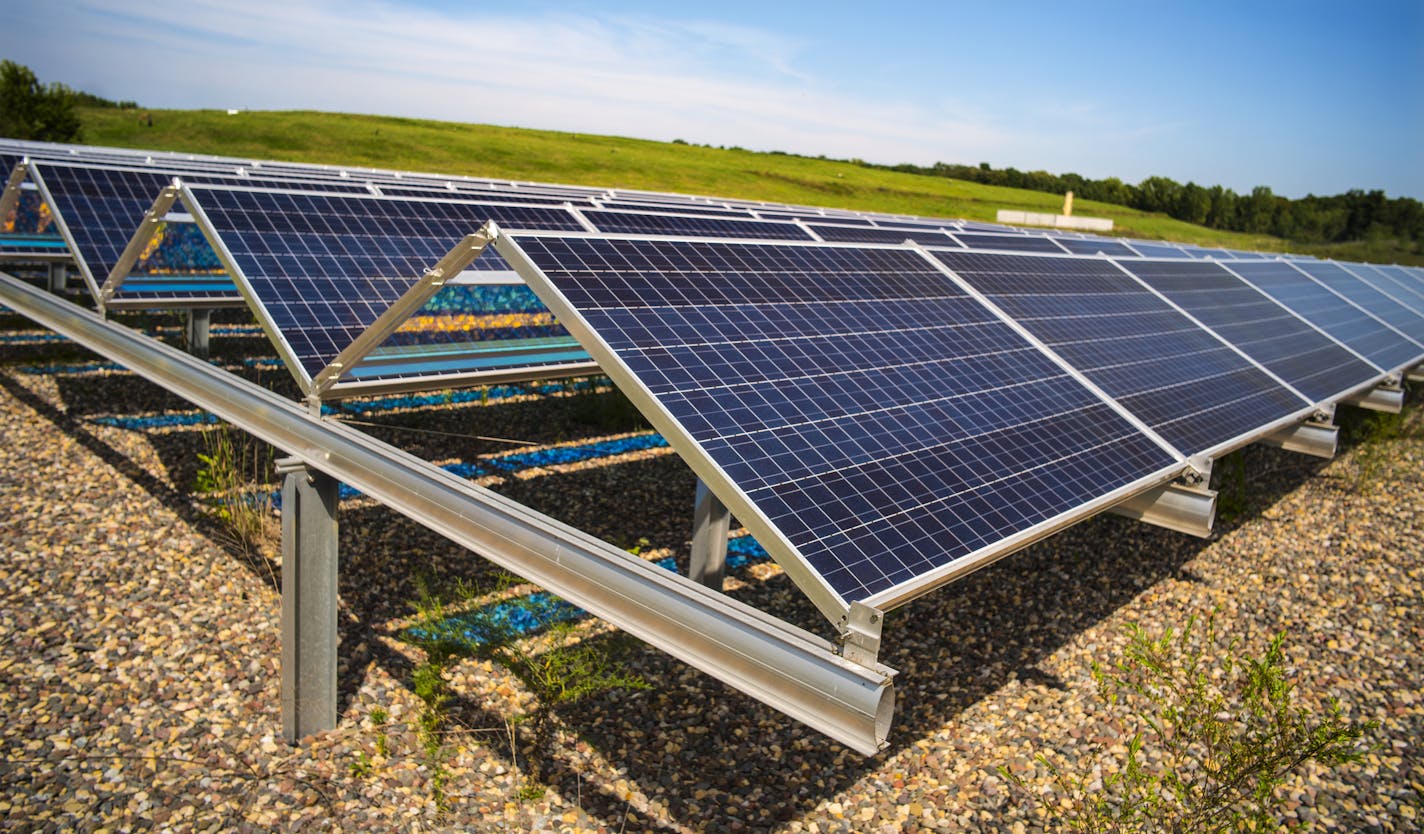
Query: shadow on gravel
[(698, 749)]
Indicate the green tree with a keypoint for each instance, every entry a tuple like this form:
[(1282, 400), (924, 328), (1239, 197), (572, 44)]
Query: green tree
[(30, 110)]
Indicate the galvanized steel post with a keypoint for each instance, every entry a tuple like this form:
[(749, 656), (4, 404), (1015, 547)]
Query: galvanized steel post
[(309, 574)]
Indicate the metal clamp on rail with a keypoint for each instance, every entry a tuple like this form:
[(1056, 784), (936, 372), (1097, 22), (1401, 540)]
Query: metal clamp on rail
[(1186, 505)]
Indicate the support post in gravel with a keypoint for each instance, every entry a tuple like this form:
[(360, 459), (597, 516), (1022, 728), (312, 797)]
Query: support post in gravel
[(711, 522), (199, 324), (58, 277), (309, 501)]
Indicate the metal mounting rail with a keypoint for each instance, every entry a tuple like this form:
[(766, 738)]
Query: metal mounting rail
[(773, 661)]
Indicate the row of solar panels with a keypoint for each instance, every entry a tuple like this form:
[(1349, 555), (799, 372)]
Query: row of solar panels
[(841, 226), (94, 204), (880, 415)]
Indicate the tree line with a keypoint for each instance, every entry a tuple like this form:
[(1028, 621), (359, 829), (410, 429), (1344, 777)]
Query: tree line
[(1356, 215)]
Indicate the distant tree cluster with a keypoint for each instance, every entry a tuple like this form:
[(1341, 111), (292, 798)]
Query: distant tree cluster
[(30, 110), (1355, 215)]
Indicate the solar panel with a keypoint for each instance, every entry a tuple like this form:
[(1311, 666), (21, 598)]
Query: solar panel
[(324, 267), (652, 208), (873, 425), (1158, 250), (1313, 302), (1015, 243), (1313, 363), (880, 234), (1352, 285), (484, 195), (1174, 376), (1093, 246), (102, 207), (1396, 281), (99, 209), (620, 222)]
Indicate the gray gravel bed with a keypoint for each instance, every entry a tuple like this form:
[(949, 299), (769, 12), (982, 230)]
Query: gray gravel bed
[(139, 679)]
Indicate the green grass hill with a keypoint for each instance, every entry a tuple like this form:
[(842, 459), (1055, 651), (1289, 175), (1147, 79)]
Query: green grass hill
[(603, 161)]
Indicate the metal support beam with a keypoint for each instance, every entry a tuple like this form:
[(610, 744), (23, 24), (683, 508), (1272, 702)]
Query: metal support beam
[(1310, 438), (58, 277), (309, 571), (199, 325), (711, 522), (1186, 509), (1415, 374), (1386, 398), (785, 667)]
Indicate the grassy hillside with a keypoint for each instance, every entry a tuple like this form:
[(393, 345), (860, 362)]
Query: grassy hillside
[(604, 161)]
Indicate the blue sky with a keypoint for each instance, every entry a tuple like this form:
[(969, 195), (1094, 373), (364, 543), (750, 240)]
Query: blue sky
[(1300, 96)]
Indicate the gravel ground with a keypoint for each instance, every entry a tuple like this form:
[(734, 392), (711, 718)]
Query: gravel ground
[(138, 647)]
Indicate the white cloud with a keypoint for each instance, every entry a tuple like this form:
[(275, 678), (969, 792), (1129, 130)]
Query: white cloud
[(702, 81)]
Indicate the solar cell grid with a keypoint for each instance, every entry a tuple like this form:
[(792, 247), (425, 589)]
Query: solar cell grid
[(877, 417), (619, 222), (1090, 246), (325, 266), (1312, 301), (653, 208), (484, 195), (1396, 281), (1174, 376), (1015, 243), (100, 208), (1312, 362), (880, 234), (1356, 286), (1157, 250)]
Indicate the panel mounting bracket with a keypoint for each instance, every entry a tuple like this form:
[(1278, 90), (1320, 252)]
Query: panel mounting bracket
[(1414, 374), (1316, 437), (1186, 505), (860, 634), (1387, 397)]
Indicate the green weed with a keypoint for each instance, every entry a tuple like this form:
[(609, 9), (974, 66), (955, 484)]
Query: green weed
[(1217, 732)]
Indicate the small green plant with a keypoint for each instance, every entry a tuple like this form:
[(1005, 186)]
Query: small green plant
[(1217, 732), (557, 665), (379, 717), (230, 476), (362, 767)]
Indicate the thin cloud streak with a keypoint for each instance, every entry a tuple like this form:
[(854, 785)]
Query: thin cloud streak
[(705, 82)]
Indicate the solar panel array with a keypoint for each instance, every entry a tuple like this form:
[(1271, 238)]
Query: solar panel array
[(884, 400)]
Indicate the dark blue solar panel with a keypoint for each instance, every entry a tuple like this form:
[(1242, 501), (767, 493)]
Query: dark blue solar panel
[(637, 223), (1158, 250), (1315, 364), (856, 234), (680, 208), (1013, 243), (884, 422), (1310, 299), (1352, 285), (1171, 374), (1398, 282), (1091, 246), (484, 195), (325, 266), (988, 227), (102, 207)]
